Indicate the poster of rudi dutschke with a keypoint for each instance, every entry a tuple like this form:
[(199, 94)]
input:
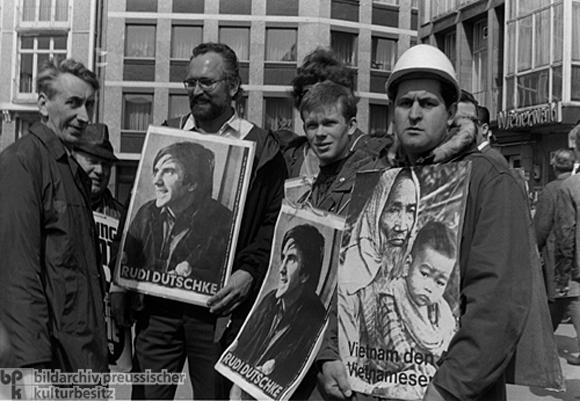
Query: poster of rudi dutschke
[(398, 280), (283, 332), (184, 214)]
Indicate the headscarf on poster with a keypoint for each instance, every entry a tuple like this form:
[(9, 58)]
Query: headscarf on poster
[(398, 295)]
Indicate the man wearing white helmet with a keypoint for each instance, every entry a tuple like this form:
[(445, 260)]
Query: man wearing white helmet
[(496, 256)]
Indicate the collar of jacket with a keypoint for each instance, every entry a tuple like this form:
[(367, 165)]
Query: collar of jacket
[(266, 143), (49, 139), (363, 150), (460, 139)]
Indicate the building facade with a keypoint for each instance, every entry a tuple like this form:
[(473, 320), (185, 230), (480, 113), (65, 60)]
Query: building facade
[(148, 43), (519, 59), (32, 31)]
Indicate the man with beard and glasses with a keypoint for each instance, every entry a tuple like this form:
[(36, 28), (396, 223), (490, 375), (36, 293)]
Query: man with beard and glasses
[(169, 332)]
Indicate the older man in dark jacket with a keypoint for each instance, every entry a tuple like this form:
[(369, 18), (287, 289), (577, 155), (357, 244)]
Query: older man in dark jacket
[(52, 287)]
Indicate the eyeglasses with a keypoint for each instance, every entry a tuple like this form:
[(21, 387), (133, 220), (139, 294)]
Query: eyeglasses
[(205, 84)]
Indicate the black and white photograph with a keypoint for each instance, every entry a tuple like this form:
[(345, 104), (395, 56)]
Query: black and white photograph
[(398, 278), (282, 333), (184, 215)]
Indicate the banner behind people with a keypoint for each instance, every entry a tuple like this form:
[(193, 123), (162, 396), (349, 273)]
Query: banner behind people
[(184, 215), (283, 332), (398, 291), (118, 339)]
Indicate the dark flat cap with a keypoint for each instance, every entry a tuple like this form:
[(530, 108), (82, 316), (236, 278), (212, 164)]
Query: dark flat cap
[(96, 142)]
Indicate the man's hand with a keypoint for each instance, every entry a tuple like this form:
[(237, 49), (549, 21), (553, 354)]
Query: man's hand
[(333, 382), (232, 295)]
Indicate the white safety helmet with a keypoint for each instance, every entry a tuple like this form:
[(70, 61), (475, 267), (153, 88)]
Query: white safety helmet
[(422, 60)]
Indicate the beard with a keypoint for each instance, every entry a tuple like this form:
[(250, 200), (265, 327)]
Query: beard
[(204, 109), (392, 261)]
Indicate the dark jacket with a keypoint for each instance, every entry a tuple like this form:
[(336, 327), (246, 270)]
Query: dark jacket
[(108, 205), (545, 225), (497, 254), (52, 287), (263, 203), (203, 229), (366, 153), (289, 342), (567, 231)]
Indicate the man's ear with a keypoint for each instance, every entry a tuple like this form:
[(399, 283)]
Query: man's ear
[(451, 114), (192, 187), (42, 103), (304, 278), (234, 87), (352, 126)]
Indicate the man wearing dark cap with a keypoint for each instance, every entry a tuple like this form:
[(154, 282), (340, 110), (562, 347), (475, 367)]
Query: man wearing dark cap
[(96, 157)]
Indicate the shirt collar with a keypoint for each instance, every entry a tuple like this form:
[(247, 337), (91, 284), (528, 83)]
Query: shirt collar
[(482, 145), (235, 127)]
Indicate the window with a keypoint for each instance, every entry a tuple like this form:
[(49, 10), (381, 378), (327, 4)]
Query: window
[(140, 41), (345, 46), (188, 6), (282, 7), (378, 118), (137, 111), (281, 44), (238, 39), (450, 47), (126, 173), (178, 105), (534, 66), (184, 39), (479, 61), (44, 10), (278, 114), (384, 53), (142, 5), (137, 115), (33, 51)]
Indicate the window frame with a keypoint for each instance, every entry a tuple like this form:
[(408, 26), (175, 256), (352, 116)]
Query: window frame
[(35, 52)]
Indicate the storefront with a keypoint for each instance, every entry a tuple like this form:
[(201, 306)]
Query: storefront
[(528, 137)]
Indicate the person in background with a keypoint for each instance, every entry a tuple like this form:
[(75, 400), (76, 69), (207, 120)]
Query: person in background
[(545, 219), (52, 287), (469, 107), (328, 111), (96, 156), (484, 134), (318, 66), (567, 263)]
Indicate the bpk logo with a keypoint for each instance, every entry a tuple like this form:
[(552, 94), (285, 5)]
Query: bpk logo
[(11, 384)]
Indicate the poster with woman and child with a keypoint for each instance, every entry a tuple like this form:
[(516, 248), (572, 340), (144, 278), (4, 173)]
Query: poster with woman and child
[(398, 277)]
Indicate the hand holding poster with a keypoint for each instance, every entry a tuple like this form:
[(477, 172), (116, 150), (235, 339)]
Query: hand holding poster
[(283, 331), (184, 215), (398, 291)]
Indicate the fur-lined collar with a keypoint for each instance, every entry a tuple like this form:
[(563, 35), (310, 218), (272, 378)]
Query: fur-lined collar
[(460, 137)]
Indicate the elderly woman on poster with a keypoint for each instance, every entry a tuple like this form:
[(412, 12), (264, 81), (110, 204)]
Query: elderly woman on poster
[(376, 248)]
